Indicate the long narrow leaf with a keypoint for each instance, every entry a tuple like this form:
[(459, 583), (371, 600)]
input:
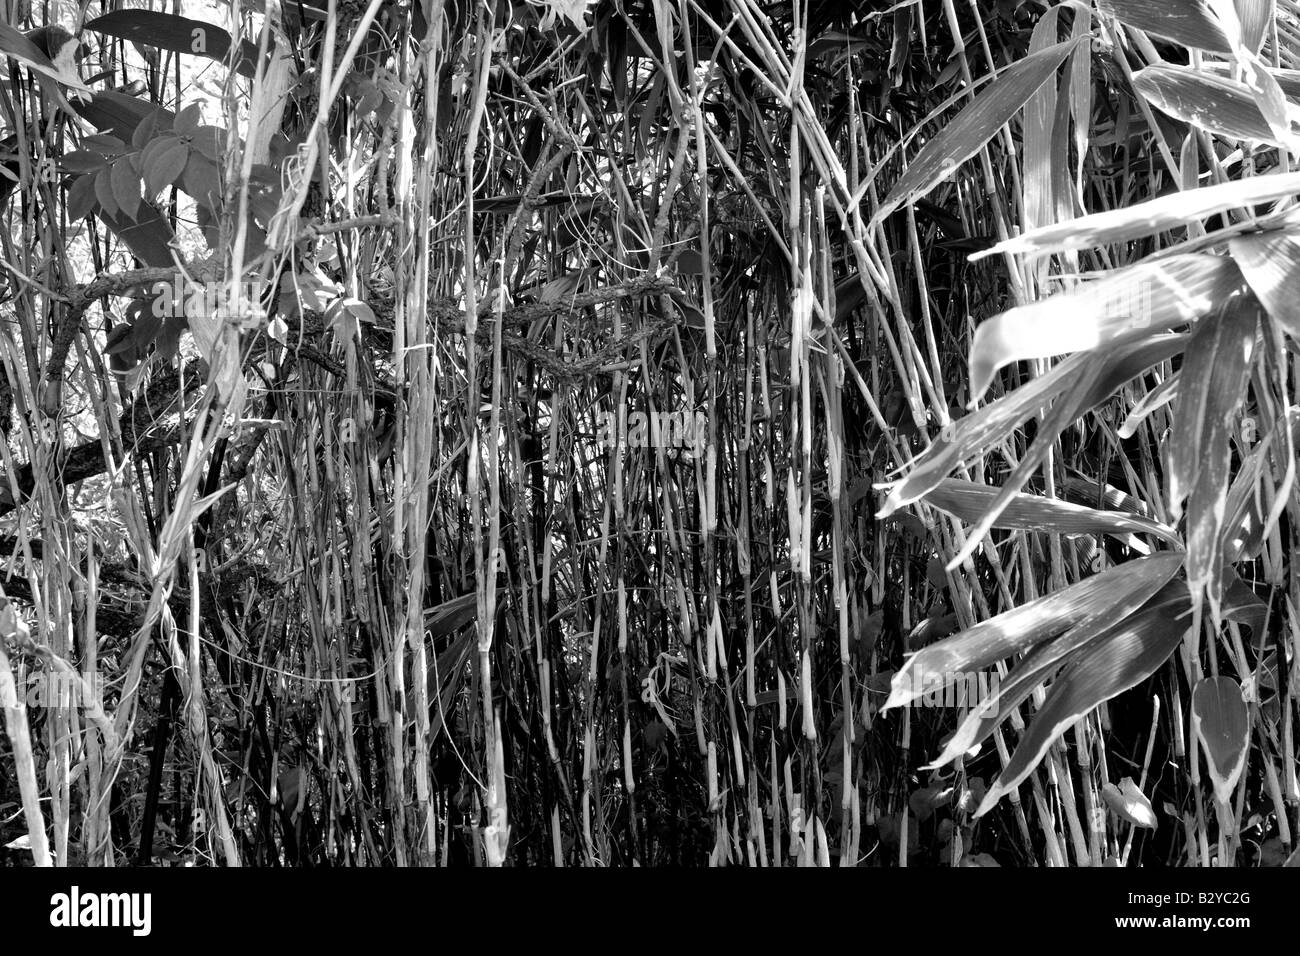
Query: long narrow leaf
[(1019, 629)]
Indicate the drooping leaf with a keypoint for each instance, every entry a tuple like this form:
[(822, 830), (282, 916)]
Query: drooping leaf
[(1046, 659), (201, 179), (975, 125), (989, 425), (1221, 723), (1256, 17), (81, 197), (1270, 262), (1213, 103), (149, 237), (1113, 663), (1245, 524), (1020, 628), (1149, 296), (104, 191), (1213, 382)]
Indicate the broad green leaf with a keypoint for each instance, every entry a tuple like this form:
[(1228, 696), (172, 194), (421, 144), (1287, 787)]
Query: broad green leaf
[(125, 182), (210, 141), (968, 500), (145, 131), (1145, 219), (161, 170), (201, 179), (1213, 103), (81, 197), (1212, 383), (1150, 296), (104, 191), (167, 31), (105, 144), (188, 119), (83, 161), (1189, 22), (1222, 724), (975, 125), (1082, 605), (1122, 658)]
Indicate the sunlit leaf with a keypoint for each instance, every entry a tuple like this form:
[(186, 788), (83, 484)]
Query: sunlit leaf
[(1150, 296), (1270, 262), (1189, 22), (1213, 103), (969, 500), (1128, 803), (1212, 383), (1143, 219)]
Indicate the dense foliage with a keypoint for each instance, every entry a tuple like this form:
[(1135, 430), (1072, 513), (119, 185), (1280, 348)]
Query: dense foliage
[(650, 432)]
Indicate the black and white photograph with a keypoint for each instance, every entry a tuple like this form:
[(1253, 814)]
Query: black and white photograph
[(649, 435)]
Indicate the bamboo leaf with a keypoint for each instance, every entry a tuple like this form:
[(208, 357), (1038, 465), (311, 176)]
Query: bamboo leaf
[(1212, 383), (178, 34), (1111, 665), (1216, 104), (1145, 219), (1270, 262), (1189, 22), (989, 425), (975, 125), (1047, 658), (968, 500), (1150, 296), (1019, 629)]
